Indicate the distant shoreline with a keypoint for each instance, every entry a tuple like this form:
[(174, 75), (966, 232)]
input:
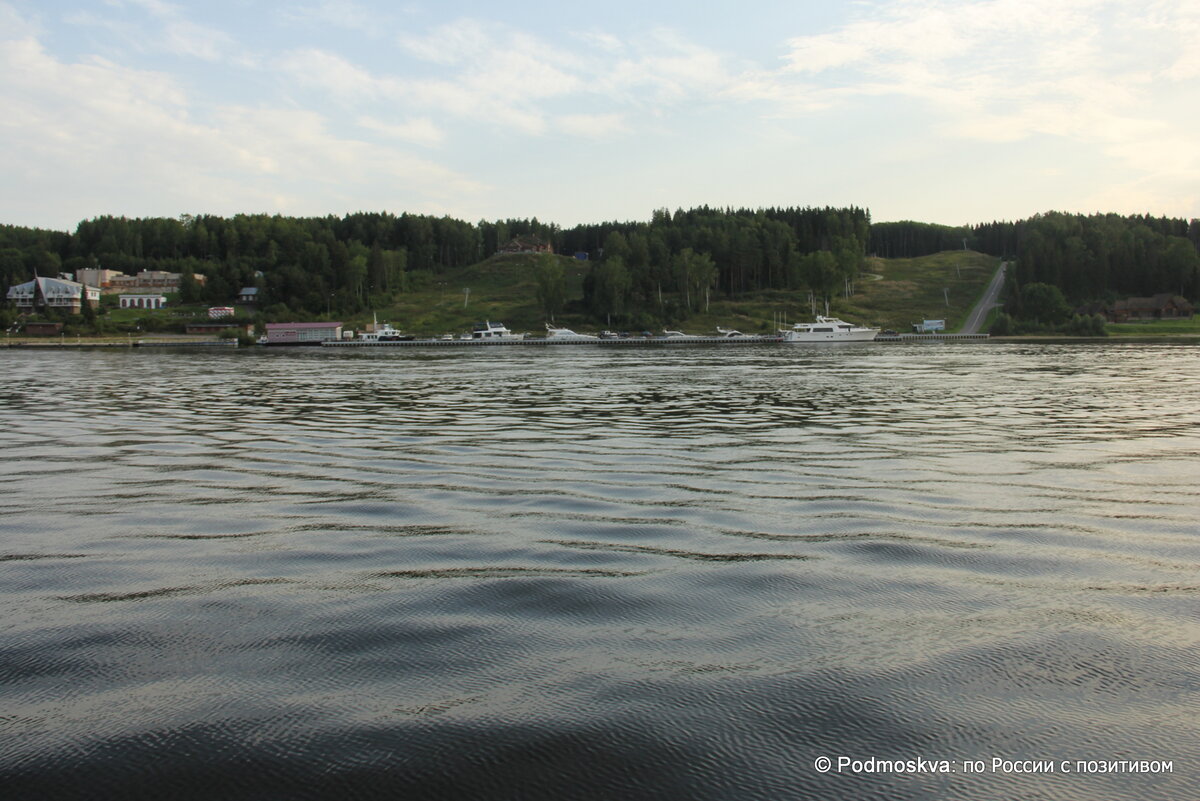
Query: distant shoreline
[(80, 343)]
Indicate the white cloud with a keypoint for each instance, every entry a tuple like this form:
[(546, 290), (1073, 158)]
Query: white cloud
[(163, 28), (338, 13), (330, 72), (593, 126), (101, 131), (1105, 75), (420, 131)]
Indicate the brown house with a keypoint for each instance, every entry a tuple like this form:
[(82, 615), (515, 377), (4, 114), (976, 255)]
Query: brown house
[(527, 244), (1163, 306), (43, 329)]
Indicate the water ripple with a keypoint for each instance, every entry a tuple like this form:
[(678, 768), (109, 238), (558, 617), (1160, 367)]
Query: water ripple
[(596, 574)]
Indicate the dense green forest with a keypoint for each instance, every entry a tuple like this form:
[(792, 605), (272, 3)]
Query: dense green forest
[(1094, 257), (664, 268), (1063, 261), (310, 266)]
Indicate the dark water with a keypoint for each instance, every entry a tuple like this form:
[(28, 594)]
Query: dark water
[(517, 573)]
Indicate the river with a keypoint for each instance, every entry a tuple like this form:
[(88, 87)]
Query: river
[(963, 570)]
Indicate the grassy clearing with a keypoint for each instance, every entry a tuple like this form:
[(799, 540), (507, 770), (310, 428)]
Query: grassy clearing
[(911, 290), (503, 289), (1156, 328)]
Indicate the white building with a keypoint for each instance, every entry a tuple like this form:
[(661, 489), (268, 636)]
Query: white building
[(143, 301), (53, 293), (96, 276)]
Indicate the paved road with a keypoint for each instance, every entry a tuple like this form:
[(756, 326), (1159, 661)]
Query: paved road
[(990, 298)]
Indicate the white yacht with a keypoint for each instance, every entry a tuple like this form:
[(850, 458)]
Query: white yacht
[(384, 333), (669, 334), (729, 333), (493, 331), (564, 334), (828, 329)]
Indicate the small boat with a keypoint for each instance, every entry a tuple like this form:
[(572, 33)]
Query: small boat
[(828, 329), (729, 333), (563, 334), (493, 331), (677, 335), (385, 333)]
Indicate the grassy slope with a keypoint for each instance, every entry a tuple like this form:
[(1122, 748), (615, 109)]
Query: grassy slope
[(502, 289), (911, 290)]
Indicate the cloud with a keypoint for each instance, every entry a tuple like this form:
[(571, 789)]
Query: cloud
[(494, 75), (593, 126), (337, 13), (1099, 73), (161, 28), (420, 131), (333, 74), (77, 136)]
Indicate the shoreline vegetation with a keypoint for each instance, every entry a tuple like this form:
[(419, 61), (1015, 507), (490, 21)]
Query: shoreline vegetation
[(750, 269)]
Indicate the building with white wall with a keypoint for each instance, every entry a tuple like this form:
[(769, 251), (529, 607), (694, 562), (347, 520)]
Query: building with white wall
[(143, 301)]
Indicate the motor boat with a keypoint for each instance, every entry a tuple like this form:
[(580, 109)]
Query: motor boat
[(564, 334), (385, 333), (828, 329), (490, 331)]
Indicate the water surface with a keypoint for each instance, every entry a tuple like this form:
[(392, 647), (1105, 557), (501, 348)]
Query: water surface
[(594, 573)]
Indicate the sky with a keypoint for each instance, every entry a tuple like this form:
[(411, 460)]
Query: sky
[(930, 110)]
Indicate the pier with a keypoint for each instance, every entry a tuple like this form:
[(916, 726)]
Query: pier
[(553, 342)]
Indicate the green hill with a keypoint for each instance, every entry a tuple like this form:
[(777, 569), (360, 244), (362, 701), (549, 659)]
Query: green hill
[(891, 293)]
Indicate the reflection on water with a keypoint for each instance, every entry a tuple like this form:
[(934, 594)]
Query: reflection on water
[(589, 573)]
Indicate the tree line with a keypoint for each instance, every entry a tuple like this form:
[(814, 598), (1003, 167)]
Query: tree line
[(339, 264), (661, 269)]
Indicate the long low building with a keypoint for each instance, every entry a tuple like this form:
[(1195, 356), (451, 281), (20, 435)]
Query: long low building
[(303, 333), (143, 301)]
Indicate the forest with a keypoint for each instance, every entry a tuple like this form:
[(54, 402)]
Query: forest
[(308, 267), (311, 266)]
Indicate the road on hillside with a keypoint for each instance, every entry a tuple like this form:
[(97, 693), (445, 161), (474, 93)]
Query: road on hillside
[(980, 312)]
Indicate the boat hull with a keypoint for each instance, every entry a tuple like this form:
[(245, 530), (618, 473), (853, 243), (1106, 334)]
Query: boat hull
[(809, 337)]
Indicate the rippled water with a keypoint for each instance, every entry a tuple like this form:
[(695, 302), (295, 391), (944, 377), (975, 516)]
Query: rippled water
[(588, 573)]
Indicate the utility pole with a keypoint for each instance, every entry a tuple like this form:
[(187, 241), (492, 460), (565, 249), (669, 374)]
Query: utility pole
[(466, 296)]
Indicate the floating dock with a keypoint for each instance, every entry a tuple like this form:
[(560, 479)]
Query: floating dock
[(552, 342), (928, 337)]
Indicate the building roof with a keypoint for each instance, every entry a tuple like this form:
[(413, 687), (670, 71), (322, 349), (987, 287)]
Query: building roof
[(248, 290), (1160, 301), (49, 287)]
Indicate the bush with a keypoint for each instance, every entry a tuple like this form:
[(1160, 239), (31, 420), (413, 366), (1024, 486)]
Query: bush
[(1002, 326)]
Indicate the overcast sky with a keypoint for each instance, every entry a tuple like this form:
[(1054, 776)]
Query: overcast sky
[(948, 112)]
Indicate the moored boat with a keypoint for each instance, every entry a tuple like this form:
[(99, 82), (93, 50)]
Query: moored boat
[(827, 329), (489, 331), (384, 333), (564, 334)]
